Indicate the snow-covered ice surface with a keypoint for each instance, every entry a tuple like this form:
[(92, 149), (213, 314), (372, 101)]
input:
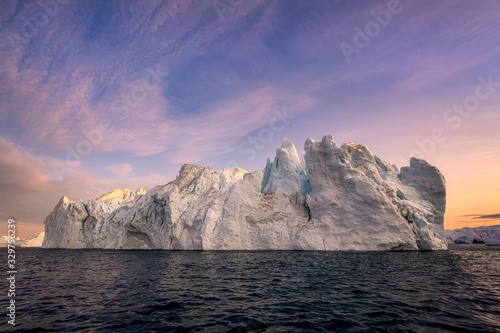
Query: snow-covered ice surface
[(33, 241), (334, 198), (490, 235)]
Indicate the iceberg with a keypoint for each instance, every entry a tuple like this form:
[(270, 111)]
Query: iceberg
[(33, 241), (489, 235), (331, 198)]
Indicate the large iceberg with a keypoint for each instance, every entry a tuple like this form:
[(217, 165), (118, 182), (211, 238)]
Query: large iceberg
[(489, 235), (332, 198)]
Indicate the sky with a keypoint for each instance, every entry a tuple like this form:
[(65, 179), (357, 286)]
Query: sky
[(98, 95)]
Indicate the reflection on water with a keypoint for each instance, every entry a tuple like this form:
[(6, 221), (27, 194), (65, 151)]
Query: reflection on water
[(269, 291)]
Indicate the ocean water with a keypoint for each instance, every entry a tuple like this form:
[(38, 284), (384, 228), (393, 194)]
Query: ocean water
[(240, 291)]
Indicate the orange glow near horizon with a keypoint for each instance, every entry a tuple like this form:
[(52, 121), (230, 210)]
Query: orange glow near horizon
[(471, 192)]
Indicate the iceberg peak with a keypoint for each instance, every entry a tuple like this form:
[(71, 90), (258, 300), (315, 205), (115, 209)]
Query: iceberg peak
[(287, 144), (116, 195)]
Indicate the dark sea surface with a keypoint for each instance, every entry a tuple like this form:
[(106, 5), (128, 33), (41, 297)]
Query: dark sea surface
[(270, 291)]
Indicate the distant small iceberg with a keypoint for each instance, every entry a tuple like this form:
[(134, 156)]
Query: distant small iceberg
[(33, 241), (489, 235)]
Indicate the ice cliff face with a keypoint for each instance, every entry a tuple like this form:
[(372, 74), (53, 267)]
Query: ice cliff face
[(490, 235), (335, 198)]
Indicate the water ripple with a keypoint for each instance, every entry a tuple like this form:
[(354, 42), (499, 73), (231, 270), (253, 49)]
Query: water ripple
[(244, 291)]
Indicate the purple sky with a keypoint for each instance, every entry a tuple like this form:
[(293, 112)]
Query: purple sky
[(96, 95)]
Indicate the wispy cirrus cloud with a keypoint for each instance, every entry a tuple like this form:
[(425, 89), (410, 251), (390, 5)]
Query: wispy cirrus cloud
[(53, 93), (218, 129), (487, 217)]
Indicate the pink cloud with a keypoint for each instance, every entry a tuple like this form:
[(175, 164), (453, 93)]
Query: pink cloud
[(218, 130), (28, 194), (122, 170)]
